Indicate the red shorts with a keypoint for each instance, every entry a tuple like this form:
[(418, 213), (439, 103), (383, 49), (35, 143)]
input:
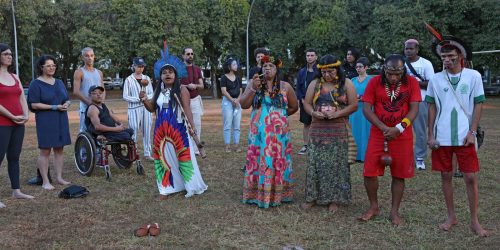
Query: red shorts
[(466, 156), (401, 151)]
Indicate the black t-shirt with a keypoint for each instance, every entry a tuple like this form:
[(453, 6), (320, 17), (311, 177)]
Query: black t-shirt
[(232, 87)]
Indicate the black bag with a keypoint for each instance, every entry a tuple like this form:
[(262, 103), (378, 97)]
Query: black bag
[(73, 191), (479, 136)]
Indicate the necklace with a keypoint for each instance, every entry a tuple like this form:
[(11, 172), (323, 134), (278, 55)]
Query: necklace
[(392, 94)]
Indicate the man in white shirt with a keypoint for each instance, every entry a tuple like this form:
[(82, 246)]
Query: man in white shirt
[(421, 69), (455, 98)]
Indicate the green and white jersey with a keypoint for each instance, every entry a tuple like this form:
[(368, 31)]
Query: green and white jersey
[(452, 124)]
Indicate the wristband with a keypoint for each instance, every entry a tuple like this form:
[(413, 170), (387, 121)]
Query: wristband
[(406, 122), (54, 107), (473, 132), (400, 127)]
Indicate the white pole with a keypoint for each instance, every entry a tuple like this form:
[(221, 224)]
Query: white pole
[(248, 53), (15, 38)]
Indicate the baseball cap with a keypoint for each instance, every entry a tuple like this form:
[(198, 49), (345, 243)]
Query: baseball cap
[(139, 61), (92, 88)]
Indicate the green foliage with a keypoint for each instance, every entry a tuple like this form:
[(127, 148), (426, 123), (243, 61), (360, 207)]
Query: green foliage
[(119, 30)]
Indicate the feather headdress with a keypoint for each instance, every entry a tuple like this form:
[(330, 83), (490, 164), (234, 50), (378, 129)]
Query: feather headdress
[(442, 41), (166, 60)]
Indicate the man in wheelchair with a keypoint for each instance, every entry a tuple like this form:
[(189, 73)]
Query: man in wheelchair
[(100, 121)]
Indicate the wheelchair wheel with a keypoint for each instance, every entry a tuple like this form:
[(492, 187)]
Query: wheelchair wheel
[(85, 153), (121, 155)]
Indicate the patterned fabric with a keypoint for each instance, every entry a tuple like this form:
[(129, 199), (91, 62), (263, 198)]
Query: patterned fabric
[(175, 165), (328, 177), (268, 171)]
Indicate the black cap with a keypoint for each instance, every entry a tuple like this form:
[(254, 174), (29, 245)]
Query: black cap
[(138, 61), (92, 88)]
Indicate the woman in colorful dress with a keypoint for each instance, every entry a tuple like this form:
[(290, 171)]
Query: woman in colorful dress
[(330, 99), (48, 98), (360, 125), (13, 116), (268, 170), (175, 164)]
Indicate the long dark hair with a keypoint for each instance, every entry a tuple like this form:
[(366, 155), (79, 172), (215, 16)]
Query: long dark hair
[(176, 89), (393, 59), (329, 59), (41, 61), (4, 47)]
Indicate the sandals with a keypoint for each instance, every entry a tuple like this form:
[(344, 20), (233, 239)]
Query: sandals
[(147, 229)]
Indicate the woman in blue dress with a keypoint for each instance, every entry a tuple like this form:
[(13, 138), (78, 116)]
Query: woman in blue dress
[(360, 125), (49, 100)]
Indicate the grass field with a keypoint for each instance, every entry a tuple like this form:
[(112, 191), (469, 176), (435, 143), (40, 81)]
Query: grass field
[(107, 217)]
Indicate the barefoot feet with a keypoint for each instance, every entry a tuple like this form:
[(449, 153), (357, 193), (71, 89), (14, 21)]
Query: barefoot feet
[(62, 181), (333, 207), (450, 222), (368, 215), (477, 229), (47, 186), (306, 205), (396, 219), (16, 193)]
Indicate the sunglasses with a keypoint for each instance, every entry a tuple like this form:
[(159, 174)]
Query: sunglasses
[(189, 54)]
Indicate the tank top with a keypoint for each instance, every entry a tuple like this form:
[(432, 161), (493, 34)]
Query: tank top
[(9, 99), (90, 78), (104, 117)]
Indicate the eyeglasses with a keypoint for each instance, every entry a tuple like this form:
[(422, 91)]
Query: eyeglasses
[(7, 54), (189, 54), (50, 66)]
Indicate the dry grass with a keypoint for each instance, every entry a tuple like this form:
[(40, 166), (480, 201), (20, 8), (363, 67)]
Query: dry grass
[(106, 218)]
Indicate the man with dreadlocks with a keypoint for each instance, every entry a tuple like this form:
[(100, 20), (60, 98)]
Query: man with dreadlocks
[(390, 104), (455, 96)]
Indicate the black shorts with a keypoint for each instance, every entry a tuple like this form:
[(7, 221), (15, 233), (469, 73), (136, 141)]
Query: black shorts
[(304, 116)]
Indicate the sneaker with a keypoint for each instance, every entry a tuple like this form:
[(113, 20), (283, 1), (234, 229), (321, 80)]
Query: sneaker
[(227, 149), (420, 164), (303, 150), (237, 148)]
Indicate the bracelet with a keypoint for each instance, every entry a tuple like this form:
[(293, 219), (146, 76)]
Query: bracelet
[(400, 127), (54, 107), (406, 122), (473, 132)]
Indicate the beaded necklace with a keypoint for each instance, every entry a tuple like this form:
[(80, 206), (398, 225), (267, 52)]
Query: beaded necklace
[(274, 94), (334, 93)]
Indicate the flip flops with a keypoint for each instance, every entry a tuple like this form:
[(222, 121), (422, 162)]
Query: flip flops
[(147, 229)]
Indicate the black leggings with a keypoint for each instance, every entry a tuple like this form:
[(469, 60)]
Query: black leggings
[(11, 143)]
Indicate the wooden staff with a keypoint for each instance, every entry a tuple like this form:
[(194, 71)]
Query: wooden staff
[(192, 132)]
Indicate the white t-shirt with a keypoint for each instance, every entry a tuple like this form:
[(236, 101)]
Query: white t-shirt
[(452, 123), (424, 68)]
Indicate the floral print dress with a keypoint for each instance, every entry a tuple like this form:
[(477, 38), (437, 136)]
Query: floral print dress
[(268, 171)]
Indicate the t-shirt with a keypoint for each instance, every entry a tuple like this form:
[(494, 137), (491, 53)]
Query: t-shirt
[(424, 68), (194, 73), (452, 123), (232, 87), (391, 112)]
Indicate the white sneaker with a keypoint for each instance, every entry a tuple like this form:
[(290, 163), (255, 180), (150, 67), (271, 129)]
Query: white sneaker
[(420, 164), (303, 150)]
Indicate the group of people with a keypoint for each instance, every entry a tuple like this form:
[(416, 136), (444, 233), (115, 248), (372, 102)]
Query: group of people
[(333, 98)]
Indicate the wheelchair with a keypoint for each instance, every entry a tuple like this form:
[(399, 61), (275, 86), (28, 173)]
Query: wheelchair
[(93, 150)]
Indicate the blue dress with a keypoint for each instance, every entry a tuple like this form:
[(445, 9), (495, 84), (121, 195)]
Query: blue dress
[(360, 125), (52, 127)]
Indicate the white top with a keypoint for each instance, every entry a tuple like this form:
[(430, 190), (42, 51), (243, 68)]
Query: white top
[(424, 68), (452, 123), (132, 88)]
